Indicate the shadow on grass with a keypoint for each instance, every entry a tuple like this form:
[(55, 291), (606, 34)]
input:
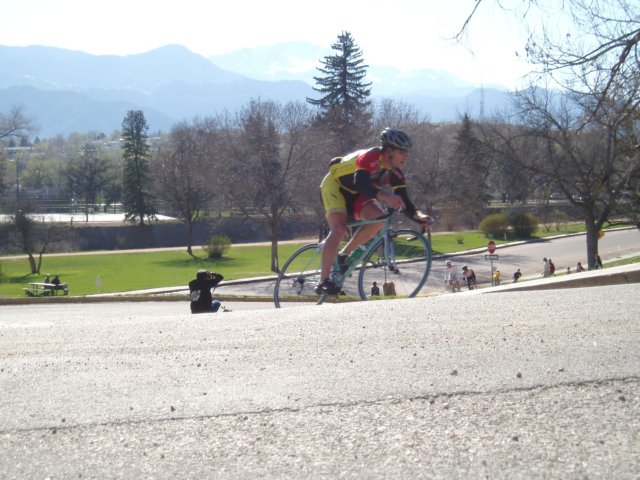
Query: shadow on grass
[(30, 277)]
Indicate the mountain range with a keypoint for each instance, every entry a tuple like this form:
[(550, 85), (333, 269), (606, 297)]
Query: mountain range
[(67, 91)]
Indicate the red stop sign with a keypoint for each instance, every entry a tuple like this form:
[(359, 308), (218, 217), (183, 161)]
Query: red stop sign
[(491, 246)]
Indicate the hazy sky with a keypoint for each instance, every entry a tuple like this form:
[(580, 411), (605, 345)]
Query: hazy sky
[(407, 34)]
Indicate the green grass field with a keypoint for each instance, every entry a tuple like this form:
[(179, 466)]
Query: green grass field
[(121, 272)]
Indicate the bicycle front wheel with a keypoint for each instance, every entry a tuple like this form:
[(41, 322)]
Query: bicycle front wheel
[(399, 272), (296, 282)]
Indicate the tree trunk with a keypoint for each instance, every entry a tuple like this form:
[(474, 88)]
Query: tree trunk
[(32, 263), (189, 237), (40, 260), (592, 243)]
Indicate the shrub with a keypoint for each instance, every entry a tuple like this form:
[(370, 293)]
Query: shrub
[(494, 224), (523, 224), (218, 244)]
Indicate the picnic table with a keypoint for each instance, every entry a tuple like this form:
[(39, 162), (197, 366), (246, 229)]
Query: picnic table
[(40, 289)]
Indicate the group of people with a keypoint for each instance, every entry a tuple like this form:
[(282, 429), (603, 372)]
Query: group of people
[(549, 269), (469, 277), (579, 268), (55, 281), (451, 277)]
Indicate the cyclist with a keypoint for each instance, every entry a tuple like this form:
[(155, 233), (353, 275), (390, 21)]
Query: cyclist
[(451, 277), (355, 185), (470, 276)]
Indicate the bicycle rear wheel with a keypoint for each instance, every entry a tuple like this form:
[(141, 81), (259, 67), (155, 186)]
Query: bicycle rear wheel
[(399, 273), (296, 282)]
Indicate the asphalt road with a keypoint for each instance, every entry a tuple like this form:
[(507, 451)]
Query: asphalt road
[(512, 385)]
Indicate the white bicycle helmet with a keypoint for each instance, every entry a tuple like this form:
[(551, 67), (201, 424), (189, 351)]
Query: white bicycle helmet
[(392, 137)]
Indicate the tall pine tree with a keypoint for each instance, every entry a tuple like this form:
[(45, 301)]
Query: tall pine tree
[(344, 102), (469, 171), (137, 200)]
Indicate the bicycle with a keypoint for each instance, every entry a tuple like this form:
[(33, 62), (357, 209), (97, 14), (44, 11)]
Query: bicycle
[(399, 260), (453, 285)]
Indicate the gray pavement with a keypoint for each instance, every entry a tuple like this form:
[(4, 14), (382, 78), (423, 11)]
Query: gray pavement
[(538, 379), (529, 384)]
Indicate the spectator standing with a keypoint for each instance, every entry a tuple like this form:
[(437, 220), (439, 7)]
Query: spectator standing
[(552, 268), (375, 290), (545, 267)]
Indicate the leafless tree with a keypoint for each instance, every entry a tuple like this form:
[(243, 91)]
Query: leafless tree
[(587, 127), (15, 124), (593, 162), (395, 114), (89, 173), (183, 170), (32, 235), (428, 170), (424, 170), (268, 150), (12, 124)]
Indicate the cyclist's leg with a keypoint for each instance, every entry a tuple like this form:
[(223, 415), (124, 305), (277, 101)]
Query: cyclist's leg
[(365, 211), (337, 230), (335, 206)]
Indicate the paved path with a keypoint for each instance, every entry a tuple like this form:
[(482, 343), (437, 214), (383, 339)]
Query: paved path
[(541, 384)]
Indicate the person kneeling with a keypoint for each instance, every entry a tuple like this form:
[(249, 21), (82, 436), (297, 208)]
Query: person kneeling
[(200, 291)]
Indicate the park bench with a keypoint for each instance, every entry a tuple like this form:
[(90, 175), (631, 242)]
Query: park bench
[(39, 289)]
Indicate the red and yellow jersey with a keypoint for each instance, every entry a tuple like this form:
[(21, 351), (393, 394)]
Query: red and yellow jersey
[(344, 168), (357, 177)]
